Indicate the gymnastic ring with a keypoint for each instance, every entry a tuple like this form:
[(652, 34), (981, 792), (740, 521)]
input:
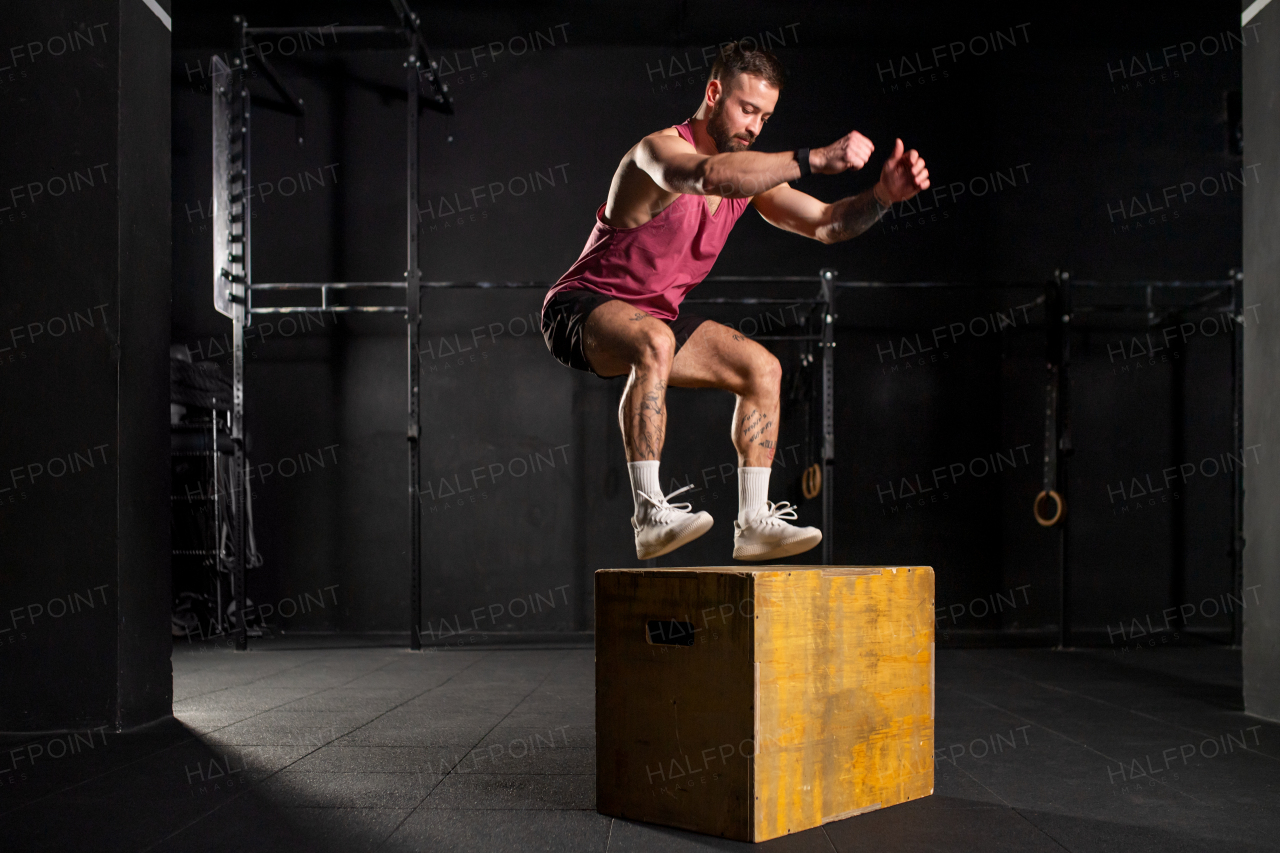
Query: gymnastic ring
[(811, 481), (1057, 516)]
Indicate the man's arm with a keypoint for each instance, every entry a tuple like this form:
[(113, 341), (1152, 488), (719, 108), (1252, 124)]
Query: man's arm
[(677, 167), (904, 174), (801, 213)]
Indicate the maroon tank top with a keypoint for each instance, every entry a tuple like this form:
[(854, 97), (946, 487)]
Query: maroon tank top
[(653, 266)]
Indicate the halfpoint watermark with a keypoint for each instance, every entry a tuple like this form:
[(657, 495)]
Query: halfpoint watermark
[(1142, 631), (910, 352), (1137, 214), (23, 477), (1143, 768), (472, 205), (688, 68), (23, 336), (911, 491), (515, 608), (461, 67), (933, 206), (1136, 72), (24, 197), (1142, 492), (445, 493), (912, 71), (1163, 345), (23, 58), (286, 45)]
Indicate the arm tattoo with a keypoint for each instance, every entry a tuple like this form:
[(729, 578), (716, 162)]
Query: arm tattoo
[(851, 216)]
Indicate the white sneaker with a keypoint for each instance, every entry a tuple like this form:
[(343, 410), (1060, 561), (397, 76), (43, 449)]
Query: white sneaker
[(768, 536), (667, 526)]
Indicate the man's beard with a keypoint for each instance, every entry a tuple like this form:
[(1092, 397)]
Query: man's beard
[(718, 130)]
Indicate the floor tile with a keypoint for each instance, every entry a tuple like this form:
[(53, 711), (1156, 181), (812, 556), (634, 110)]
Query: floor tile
[(506, 831)]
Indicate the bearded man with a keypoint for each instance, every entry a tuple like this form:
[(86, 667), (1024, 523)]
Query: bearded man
[(673, 200)]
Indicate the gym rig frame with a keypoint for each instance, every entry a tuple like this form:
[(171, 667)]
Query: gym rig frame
[(234, 289)]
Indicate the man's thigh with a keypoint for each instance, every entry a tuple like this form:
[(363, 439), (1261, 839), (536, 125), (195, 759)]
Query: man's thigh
[(614, 335), (716, 356)]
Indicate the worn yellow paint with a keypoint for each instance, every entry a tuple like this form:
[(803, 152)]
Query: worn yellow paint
[(826, 677), (845, 723)]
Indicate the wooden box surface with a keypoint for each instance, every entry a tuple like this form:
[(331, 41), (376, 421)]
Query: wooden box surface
[(754, 702)]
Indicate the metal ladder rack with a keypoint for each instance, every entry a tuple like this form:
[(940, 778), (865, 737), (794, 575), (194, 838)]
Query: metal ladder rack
[(233, 286)]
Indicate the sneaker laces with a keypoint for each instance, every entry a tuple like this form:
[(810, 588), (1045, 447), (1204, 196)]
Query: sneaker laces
[(662, 503), (776, 513)]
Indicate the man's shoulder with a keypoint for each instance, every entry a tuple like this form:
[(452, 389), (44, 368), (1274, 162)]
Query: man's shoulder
[(667, 131), (666, 136)]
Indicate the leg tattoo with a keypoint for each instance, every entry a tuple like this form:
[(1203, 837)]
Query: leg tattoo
[(643, 416), (755, 432)]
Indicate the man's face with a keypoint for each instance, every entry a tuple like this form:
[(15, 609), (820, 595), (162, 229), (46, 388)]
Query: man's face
[(739, 111)]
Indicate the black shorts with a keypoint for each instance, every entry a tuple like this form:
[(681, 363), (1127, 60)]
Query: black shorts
[(566, 314)]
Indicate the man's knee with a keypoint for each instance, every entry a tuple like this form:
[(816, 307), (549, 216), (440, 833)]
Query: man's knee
[(766, 375), (657, 349)]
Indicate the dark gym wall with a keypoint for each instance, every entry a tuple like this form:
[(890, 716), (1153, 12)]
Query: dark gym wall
[(1053, 152), (1262, 285), (85, 269)]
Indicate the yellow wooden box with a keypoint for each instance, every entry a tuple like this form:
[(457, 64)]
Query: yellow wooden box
[(754, 702)]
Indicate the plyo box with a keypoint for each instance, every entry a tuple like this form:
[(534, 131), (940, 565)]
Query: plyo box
[(751, 703)]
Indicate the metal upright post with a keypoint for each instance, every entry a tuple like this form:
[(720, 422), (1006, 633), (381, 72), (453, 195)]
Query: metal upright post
[(242, 319), (1065, 448), (216, 498), (1237, 442), (1057, 440), (1049, 494), (828, 277), (238, 482), (1177, 454), (413, 310)]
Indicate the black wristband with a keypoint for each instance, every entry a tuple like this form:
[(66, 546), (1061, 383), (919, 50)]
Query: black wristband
[(802, 158)]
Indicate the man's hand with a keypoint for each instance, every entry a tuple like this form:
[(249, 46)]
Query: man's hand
[(902, 176), (849, 152)]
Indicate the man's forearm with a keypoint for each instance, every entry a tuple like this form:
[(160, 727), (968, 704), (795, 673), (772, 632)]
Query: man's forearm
[(851, 216), (742, 174)]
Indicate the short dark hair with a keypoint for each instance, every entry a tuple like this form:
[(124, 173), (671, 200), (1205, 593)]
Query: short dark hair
[(734, 60)]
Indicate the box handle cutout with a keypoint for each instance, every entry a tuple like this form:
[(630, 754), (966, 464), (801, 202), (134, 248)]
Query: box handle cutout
[(669, 632)]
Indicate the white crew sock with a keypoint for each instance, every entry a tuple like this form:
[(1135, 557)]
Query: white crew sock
[(644, 478), (753, 492)]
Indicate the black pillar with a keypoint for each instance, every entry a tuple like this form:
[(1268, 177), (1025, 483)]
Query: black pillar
[(1261, 592), (85, 268)]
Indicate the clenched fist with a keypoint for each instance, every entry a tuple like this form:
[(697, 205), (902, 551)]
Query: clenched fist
[(848, 152)]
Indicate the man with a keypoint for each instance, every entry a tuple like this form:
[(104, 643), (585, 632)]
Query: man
[(674, 198)]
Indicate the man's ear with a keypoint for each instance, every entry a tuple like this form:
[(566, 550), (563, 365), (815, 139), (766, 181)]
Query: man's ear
[(714, 91)]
